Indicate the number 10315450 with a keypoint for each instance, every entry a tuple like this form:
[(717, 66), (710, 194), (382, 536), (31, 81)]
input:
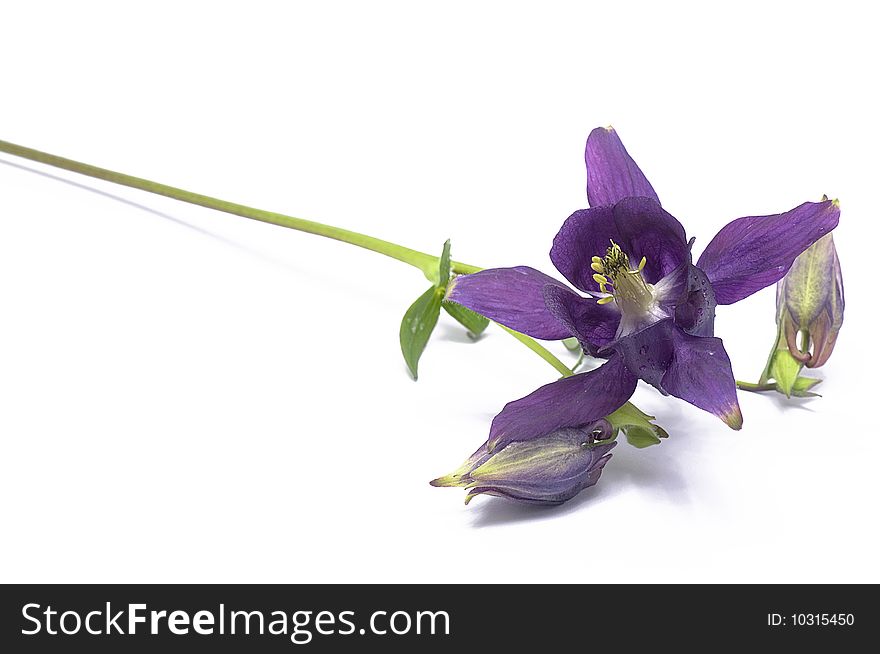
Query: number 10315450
[(811, 620)]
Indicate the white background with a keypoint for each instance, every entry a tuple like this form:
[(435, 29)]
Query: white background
[(189, 396)]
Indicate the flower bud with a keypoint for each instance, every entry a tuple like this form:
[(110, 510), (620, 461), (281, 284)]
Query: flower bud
[(547, 470), (809, 299)]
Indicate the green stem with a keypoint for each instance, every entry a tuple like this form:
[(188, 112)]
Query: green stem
[(540, 350), (427, 263), (766, 374), (757, 388), (421, 260)]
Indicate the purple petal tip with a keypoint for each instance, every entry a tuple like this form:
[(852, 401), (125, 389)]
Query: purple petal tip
[(448, 481), (733, 418)]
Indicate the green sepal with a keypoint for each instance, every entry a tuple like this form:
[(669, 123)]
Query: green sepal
[(782, 367), (640, 437), (470, 320), (416, 327), (802, 386), (637, 426), (782, 372)]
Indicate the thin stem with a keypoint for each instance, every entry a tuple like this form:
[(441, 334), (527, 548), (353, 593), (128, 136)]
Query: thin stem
[(780, 338), (579, 361), (425, 262), (540, 350), (757, 388)]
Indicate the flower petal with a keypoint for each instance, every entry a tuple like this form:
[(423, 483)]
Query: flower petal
[(648, 353), (639, 226), (512, 297), (569, 402), (693, 368), (673, 289), (584, 234), (824, 333), (593, 324), (696, 313), (700, 373), (751, 253), (611, 173)]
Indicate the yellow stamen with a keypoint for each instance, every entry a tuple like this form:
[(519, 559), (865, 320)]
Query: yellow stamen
[(623, 284)]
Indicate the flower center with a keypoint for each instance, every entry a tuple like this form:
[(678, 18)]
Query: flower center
[(623, 284)]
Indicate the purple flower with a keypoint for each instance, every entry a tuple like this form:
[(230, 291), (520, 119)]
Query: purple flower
[(644, 306), (547, 470)]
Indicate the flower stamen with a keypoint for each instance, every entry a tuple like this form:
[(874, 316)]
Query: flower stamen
[(602, 281), (623, 284)]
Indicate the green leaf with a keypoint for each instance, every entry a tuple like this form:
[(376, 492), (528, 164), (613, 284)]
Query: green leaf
[(416, 327), (471, 320), (636, 424), (420, 319), (445, 266)]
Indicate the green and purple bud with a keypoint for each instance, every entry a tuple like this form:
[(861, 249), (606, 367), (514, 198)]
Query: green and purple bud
[(547, 470), (809, 314), (810, 302)]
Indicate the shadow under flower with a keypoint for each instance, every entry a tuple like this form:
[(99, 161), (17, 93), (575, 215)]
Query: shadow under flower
[(180, 222), (495, 511), (130, 203), (793, 403)]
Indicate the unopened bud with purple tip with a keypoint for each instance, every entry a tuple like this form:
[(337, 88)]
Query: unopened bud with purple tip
[(810, 301), (809, 308), (547, 470)]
